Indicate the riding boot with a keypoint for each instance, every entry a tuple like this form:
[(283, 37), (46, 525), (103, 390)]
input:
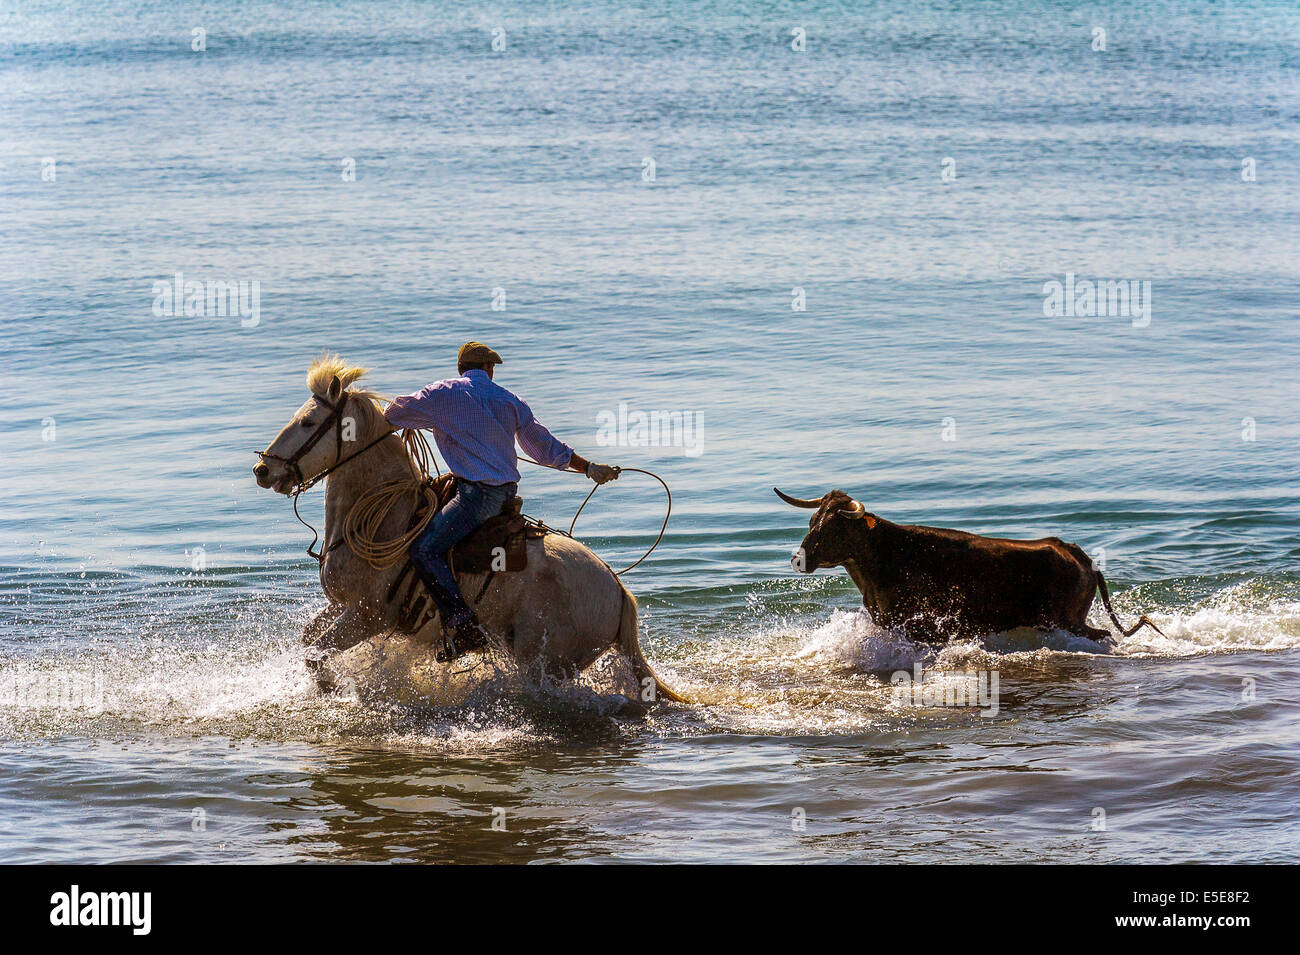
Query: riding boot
[(461, 631)]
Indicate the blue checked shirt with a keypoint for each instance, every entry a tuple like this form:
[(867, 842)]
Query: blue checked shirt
[(475, 423)]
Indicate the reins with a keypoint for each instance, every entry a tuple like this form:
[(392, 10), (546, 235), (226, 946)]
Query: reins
[(362, 522), (417, 449), (308, 485)]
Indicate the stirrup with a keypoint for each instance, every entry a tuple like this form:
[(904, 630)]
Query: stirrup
[(467, 638)]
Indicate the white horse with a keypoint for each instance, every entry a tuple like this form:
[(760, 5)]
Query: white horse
[(555, 618)]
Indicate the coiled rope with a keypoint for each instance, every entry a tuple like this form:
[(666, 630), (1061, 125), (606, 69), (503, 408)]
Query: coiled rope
[(362, 524)]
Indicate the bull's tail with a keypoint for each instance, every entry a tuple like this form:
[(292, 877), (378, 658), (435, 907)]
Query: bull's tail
[(630, 646), (1143, 621)]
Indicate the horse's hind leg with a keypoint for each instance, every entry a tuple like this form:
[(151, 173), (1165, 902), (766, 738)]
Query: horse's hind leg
[(540, 657)]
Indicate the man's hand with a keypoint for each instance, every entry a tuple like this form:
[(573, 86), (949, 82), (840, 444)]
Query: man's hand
[(601, 473)]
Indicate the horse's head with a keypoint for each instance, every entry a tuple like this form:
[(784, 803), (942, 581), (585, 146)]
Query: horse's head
[(319, 433)]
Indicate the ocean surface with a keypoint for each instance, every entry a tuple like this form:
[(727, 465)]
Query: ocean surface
[(824, 231)]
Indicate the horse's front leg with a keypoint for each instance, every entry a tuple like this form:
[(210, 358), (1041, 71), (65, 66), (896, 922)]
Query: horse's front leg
[(315, 629), (349, 628)]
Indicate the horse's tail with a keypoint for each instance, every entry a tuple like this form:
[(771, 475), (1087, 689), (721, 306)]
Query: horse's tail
[(630, 646), (1143, 621)]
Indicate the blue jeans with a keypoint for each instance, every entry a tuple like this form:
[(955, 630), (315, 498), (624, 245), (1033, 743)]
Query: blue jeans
[(473, 504)]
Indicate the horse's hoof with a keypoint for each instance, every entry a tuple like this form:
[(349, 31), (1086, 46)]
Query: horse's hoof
[(325, 682), (325, 686), (632, 708)]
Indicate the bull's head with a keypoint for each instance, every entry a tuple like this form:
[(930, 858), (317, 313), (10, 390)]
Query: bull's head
[(837, 532)]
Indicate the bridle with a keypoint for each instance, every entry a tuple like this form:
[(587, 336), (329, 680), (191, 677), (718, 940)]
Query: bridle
[(335, 422)]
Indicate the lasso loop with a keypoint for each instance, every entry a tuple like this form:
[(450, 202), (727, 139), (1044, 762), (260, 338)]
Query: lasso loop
[(363, 522), (662, 528)]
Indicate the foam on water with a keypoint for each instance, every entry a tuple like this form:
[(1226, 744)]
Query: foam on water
[(248, 680), (853, 640), (1249, 615), (813, 674)]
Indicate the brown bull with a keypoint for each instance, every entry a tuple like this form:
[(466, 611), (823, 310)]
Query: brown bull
[(937, 583)]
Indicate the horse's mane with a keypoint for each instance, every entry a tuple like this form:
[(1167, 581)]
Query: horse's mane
[(327, 367)]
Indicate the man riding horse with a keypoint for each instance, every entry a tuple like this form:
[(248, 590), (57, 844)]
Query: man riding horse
[(475, 423)]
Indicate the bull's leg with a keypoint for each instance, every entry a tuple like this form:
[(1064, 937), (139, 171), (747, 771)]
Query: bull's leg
[(1104, 637), (1075, 613), (1075, 622), (1078, 624)]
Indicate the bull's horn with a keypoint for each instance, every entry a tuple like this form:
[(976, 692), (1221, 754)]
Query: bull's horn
[(798, 502), (856, 511)]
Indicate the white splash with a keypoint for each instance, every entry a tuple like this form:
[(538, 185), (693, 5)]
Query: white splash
[(1238, 617), (852, 640)]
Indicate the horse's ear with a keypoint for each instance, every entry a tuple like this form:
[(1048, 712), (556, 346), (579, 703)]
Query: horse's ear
[(335, 388)]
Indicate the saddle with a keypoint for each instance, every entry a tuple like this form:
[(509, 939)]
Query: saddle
[(498, 545)]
